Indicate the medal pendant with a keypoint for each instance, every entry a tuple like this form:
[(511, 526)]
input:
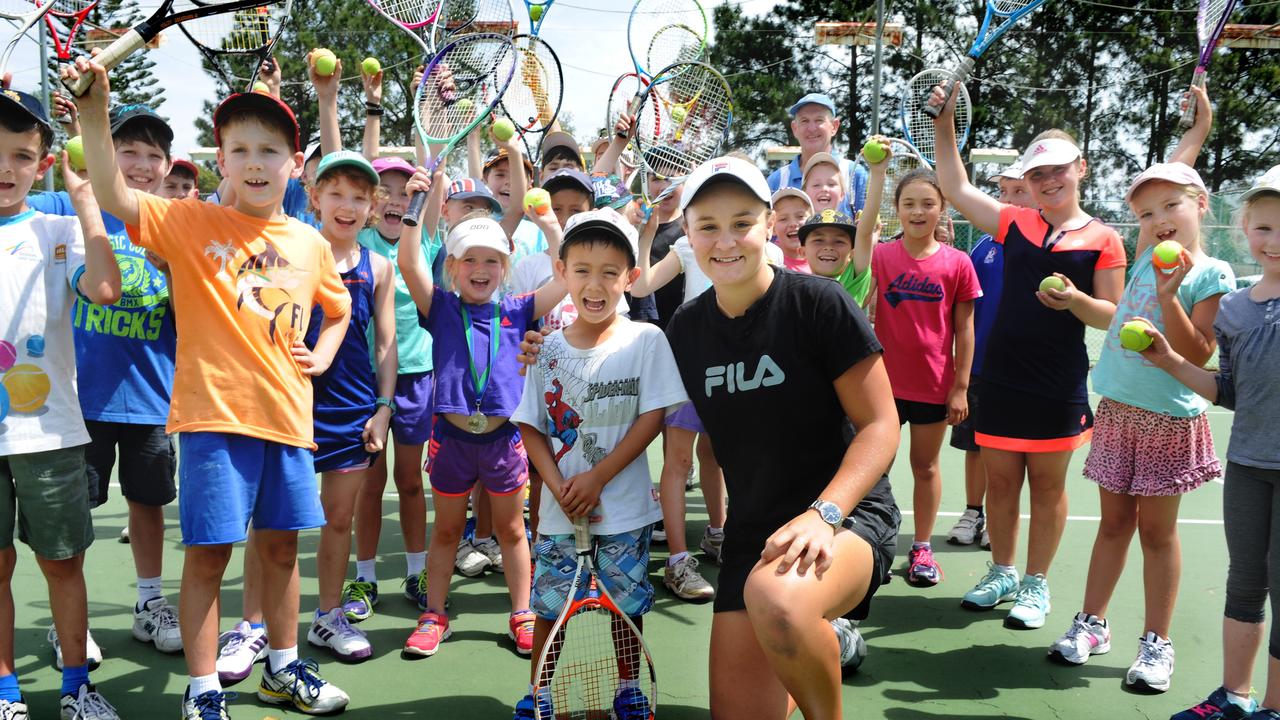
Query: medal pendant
[(476, 423)]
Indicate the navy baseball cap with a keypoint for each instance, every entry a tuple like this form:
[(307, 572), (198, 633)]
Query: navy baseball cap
[(813, 99), (138, 113), (569, 179), (470, 188), (27, 104), (829, 218)]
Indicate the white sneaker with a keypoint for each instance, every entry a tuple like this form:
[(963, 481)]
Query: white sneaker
[(491, 550), (968, 528), (13, 710), (157, 623), (1153, 669), (238, 649), (334, 631), (299, 684), (1086, 637), (212, 704), (87, 704), (985, 542), (853, 649), (686, 582), (92, 652), (469, 561)]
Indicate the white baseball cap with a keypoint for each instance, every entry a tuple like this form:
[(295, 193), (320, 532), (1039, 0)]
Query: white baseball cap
[(790, 192), (1174, 172), (1008, 172), (1050, 151), (721, 169), (605, 219), (1268, 183), (479, 232)]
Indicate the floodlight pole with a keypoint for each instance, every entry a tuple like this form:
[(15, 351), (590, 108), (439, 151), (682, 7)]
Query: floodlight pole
[(875, 95), (44, 87)]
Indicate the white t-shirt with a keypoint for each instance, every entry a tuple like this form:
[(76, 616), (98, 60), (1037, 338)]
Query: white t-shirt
[(41, 258), (585, 401), (534, 271)]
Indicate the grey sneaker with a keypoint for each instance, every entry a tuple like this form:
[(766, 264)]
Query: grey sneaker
[(712, 543), (491, 550), (853, 649), (13, 710), (967, 529), (469, 561), (686, 582), (87, 704), (92, 652), (299, 684), (1153, 668), (156, 622)]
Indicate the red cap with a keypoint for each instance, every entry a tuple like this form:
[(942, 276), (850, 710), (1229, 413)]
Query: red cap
[(261, 102), (190, 166)]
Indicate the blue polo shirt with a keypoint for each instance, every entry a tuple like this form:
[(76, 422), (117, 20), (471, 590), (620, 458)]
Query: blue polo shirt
[(988, 262)]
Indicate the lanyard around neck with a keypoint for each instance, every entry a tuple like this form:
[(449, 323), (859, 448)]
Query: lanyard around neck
[(480, 381)]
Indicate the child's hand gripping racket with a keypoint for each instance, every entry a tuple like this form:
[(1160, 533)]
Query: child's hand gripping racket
[(1211, 20)]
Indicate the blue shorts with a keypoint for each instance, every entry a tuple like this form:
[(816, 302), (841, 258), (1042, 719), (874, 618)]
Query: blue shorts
[(622, 561), (226, 480), (415, 407)]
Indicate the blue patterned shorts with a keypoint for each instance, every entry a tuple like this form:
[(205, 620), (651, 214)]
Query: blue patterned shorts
[(622, 562)]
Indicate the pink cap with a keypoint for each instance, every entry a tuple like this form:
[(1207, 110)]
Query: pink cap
[(1174, 172), (384, 164)]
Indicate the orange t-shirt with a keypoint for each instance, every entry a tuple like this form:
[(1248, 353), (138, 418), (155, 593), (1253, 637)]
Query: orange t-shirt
[(244, 288)]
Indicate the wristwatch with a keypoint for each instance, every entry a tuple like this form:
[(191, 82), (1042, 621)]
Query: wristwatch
[(391, 404), (830, 513)]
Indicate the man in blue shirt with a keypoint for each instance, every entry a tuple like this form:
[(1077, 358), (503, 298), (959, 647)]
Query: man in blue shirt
[(814, 124)]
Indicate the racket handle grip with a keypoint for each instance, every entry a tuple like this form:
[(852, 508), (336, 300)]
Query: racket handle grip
[(582, 534), (109, 58), (1188, 118), (413, 215), (959, 75)]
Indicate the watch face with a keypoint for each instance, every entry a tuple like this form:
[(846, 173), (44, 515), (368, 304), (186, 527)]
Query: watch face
[(830, 513)]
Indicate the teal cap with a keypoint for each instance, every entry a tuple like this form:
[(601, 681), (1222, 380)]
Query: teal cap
[(346, 158)]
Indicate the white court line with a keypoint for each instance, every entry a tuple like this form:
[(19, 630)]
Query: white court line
[(1074, 518)]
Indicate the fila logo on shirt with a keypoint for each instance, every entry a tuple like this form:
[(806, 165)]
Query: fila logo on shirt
[(734, 376)]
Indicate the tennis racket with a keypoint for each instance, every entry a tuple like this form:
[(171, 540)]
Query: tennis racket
[(696, 106), (1003, 13), (532, 100), (462, 17), (251, 32), (71, 14), (917, 120), (905, 158), (661, 33), (592, 650), (411, 16), (459, 89), (625, 88), (24, 14), (538, 10), (1210, 22), (164, 17)]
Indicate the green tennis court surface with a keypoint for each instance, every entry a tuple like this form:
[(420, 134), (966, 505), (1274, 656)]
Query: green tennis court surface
[(928, 658)]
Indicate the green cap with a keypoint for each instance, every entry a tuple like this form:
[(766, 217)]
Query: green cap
[(346, 158)]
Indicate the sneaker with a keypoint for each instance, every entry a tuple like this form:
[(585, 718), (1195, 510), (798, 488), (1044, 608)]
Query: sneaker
[(92, 653), (425, 640), (686, 582), (1087, 636), (332, 630), (489, 548), (689, 479), (205, 706), (124, 534), (156, 622), (631, 704), (238, 649), (660, 532), (1153, 668), (712, 544), (87, 704), (520, 630), (358, 599), (853, 649), (18, 710), (299, 684), (985, 542), (415, 589), (1031, 604), (996, 587), (968, 528), (1217, 706), (469, 561), (922, 569), (526, 710)]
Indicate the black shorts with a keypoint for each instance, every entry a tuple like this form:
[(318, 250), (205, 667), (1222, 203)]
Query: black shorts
[(962, 434), (1019, 421), (876, 520), (147, 462), (919, 413)]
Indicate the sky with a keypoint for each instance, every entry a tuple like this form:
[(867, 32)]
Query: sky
[(589, 36)]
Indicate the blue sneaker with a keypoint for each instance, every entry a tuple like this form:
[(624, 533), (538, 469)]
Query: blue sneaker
[(415, 589), (1031, 604), (995, 587), (358, 599), (1217, 706), (526, 710), (631, 704)]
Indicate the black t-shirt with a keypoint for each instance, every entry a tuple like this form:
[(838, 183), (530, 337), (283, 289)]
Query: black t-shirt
[(661, 305), (762, 386)]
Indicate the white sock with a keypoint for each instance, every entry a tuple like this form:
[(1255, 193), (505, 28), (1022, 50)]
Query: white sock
[(277, 659), (364, 570), (477, 539), (202, 684), (1013, 570), (1244, 701), (416, 562), (671, 561), (148, 589), (715, 531)]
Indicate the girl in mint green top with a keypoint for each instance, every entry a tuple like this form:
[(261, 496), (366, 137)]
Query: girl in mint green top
[(414, 343)]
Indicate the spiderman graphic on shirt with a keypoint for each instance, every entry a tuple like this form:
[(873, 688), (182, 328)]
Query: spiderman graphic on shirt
[(562, 420)]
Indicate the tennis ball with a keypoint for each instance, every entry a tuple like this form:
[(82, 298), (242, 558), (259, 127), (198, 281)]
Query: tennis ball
[(538, 200), (371, 66), (8, 355), (261, 87), (1052, 282), (874, 152), (678, 114), (75, 152), (28, 387), (1167, 256), (535, 12), (326, 62), (504, 129), (1133, 335)]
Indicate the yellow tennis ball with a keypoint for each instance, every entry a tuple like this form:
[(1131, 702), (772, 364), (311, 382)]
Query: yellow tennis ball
[(28, 387), (504, 129), (1133, 335), (678, 114), (538, 200), (326, 62), (75, 152), (535, 12), (874, 152), (1053, 282), (371, 66), (1167, 255)]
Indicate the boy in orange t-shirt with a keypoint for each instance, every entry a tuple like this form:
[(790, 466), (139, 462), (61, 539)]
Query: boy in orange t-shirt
[(246, 278)]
